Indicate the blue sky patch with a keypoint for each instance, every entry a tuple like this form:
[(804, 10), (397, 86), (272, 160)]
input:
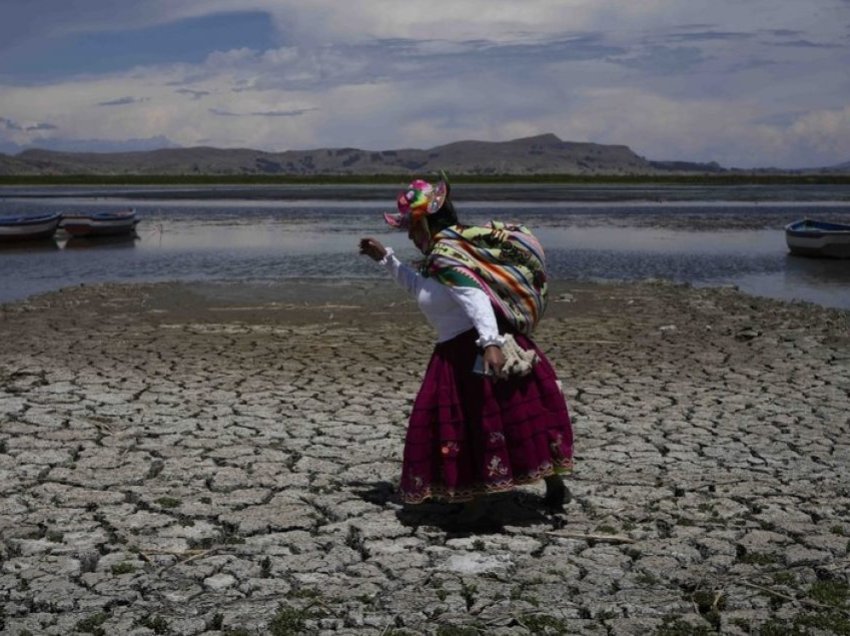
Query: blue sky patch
[(187, 41)]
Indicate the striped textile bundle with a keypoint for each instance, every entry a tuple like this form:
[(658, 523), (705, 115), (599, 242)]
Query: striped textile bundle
[(505, 261)]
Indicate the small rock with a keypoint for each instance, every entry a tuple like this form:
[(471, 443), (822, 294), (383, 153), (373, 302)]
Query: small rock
[(219, 582), (747, 334), (476, 563)]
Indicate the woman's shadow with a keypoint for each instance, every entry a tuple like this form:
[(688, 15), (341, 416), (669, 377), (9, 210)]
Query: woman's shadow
[(515, 508)]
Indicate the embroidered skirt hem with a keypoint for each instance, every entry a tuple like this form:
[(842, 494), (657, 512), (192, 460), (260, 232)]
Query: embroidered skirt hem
[(439, 492)]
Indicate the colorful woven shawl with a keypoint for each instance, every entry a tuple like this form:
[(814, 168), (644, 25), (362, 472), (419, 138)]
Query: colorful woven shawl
[(505, 261)]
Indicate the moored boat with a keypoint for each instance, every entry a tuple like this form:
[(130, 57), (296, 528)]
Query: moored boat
[(100, 223), (28, 228), (818, 238)]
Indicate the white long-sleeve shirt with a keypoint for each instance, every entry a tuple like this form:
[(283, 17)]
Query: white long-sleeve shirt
[(450, 310)]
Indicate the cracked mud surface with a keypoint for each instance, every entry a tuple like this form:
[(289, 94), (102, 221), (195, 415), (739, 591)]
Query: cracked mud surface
[(221, 460)]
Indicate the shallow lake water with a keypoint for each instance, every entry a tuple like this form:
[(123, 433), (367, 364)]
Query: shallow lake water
[(659, 234)]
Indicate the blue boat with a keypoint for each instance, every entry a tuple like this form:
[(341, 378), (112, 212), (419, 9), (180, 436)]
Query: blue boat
[(28, 228)]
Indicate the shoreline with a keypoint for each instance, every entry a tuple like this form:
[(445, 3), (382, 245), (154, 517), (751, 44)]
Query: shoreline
[(190, 458), (580, 191), (303, 290)]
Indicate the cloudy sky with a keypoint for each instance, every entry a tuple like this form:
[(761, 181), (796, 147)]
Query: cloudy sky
[(742, 82)]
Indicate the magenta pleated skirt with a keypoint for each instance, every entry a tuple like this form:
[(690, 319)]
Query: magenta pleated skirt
[(470, 435)]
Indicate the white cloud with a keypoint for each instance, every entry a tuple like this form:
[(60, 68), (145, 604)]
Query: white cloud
[(709, 130), (332, 21), (673, 79), (825, 132)]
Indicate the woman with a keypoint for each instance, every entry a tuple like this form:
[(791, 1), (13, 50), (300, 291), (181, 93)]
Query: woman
[(476, 431)]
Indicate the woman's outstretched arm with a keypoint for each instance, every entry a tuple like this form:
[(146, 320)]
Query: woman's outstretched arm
[(405, 276)]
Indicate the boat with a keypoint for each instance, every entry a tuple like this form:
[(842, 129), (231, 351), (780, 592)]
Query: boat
[(28, 228), (100, 223), (818, 238)]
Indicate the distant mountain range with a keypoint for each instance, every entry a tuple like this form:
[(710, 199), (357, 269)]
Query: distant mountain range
[(542, 154)]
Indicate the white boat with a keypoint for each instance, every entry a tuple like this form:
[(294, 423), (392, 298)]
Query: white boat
[(28, 228), (818, 238)]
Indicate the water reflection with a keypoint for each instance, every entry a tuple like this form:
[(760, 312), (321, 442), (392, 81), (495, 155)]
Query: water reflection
[(100, 242), (818, 270), (38, 245), (662, 240), (298, 237)]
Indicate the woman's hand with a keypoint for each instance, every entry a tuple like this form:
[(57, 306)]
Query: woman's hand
[(372, 248), (494, 360)]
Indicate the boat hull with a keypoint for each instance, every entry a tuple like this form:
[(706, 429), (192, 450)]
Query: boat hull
[(818, 239), (20, 229), (110, 224)]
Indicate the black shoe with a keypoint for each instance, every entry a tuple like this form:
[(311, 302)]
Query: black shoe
[(557, 494)]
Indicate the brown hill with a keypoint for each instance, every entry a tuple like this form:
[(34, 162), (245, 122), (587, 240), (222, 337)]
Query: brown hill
[(542, 154)]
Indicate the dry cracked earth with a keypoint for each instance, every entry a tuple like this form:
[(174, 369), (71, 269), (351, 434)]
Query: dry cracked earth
[(176, 462)]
